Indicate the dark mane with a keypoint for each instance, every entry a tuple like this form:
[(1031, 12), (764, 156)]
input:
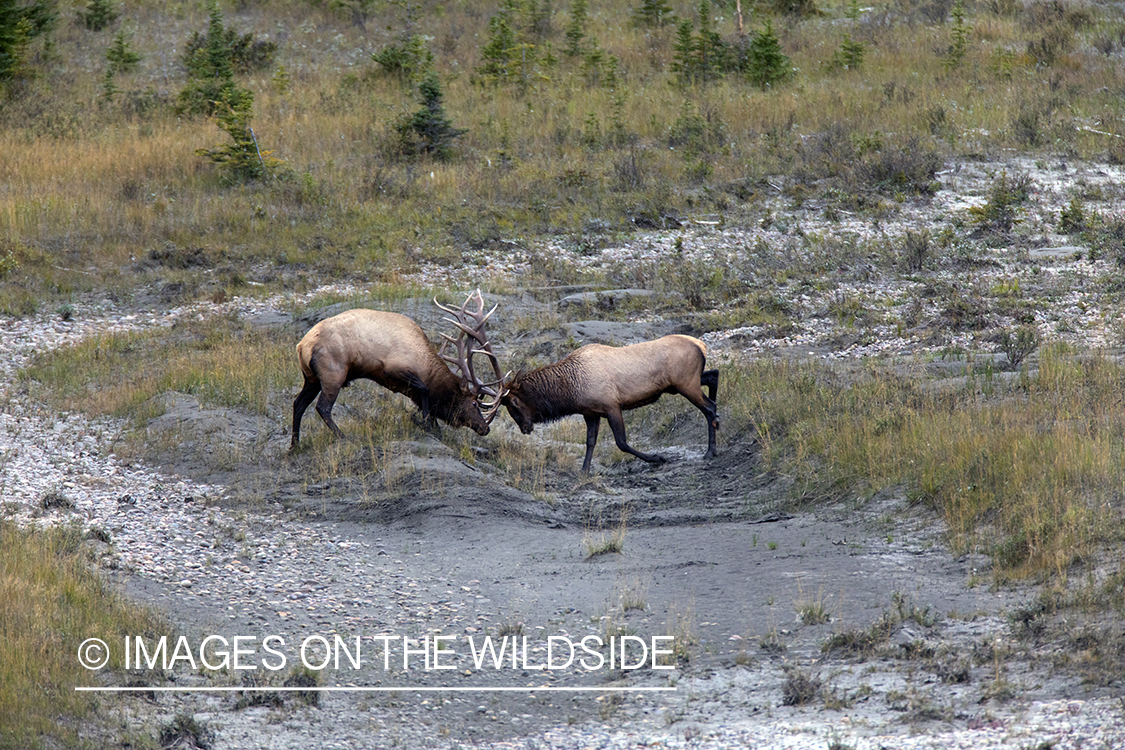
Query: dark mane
[(549, 391)]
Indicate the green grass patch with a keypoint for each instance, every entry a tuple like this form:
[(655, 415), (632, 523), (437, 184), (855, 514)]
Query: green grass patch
[(223, 362), (52, 603)]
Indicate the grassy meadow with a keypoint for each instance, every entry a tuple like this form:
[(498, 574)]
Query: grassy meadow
[(103, 189), (106, 189)]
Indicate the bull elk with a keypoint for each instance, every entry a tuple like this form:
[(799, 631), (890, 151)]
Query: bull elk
[(600, 381), (392, 350)]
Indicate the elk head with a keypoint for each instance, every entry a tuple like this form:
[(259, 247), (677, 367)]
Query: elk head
[(471, 339)]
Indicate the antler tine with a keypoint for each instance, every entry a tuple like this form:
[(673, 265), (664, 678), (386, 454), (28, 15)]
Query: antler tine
[(470, 324)]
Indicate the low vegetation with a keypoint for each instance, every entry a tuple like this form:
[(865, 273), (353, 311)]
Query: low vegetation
[(1028, 475), (53, 601), (358, 144)]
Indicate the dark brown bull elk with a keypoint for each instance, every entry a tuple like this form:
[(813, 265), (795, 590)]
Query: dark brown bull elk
[(392, 350)]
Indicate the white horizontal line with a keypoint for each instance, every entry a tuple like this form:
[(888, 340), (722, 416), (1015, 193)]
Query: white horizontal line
[(357, 689)]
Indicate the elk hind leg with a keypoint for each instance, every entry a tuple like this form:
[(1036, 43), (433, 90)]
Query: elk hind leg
[(300, 404), (617, 424), (710, 379), (710, 411), (328, 393)]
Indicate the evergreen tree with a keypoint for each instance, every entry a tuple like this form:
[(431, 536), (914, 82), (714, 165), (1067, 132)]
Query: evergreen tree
[(120, 56), (243, 160), (959, 45), (576, 32), (851, 52), (507, 59), (20, 24), (653, 14), (766, 64), (211, 86), (709, 47), (100, 14), (683, 52), (410, 60), (539, 14), (429, 130), (497, 56)]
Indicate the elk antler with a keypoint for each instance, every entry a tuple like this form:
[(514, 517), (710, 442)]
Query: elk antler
[(470, 325)]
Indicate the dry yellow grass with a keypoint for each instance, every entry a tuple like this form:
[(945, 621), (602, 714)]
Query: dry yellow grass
[(52, 603)]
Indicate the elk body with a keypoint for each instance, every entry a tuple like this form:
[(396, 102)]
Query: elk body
[(390, 349), (603, 381)]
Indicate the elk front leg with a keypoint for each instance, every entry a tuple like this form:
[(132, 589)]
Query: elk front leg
[(592, 424), (421, 396)]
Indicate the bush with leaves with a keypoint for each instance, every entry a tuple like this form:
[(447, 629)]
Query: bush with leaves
[(1072, 219), (1105, 236), (1018, 345), (429, 131), (999, 214)]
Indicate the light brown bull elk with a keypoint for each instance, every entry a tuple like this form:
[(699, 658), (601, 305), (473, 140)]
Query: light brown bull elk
[(599, 381), (392, 350)]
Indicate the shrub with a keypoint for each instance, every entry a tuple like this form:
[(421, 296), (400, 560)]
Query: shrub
[(915, 250), (1106, 237), (800, 687), (909, 169), (408, 60), (1018, 345), (1072, 219), (998, 215)]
